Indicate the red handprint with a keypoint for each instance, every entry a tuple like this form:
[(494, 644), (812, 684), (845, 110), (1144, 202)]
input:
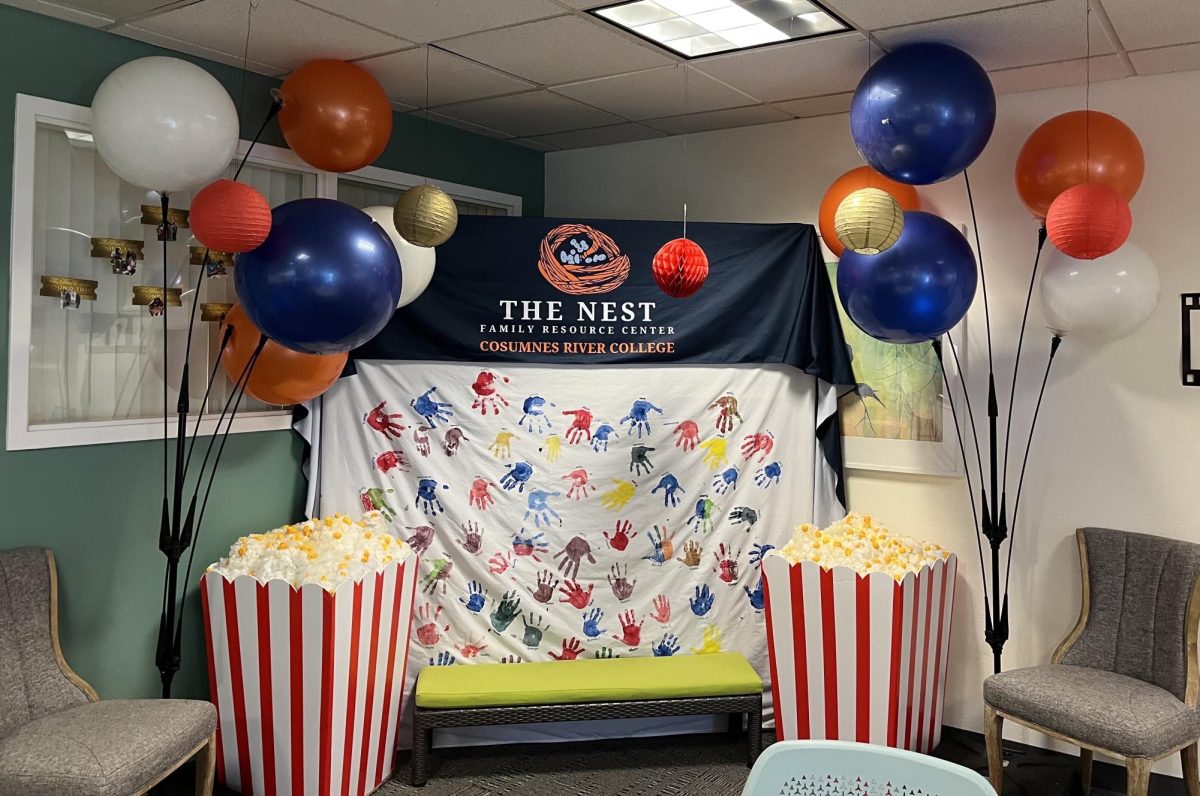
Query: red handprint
[(758, 443), (486, 396), (391, 460), (479, 497), (727, 565), (581, 488), (575, 595), (631, 629), (728, 404), (421, 439), (500, 562), (428, 632), (689, 435), (472, 649), (570, 650), (662, 609), (580, 429), (621, 536), (384, 423)]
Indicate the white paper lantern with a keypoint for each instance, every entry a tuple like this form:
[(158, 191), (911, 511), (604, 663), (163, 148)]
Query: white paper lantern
[(868, 221), (416, 262)]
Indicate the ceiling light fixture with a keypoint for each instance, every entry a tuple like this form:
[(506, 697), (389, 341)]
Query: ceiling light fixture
[(695, 28)]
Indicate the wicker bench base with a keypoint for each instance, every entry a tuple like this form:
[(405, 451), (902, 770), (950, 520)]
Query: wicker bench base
[(426, 719)]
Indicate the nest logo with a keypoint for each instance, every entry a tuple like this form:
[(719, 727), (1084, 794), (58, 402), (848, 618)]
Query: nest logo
[(580, 260)]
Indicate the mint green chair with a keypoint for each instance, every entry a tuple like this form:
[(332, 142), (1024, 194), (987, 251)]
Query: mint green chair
[(842, 768)]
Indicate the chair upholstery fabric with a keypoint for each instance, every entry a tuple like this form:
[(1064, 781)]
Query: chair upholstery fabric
[(1112, 711), (1139, 586), (108, 748), (31, 682)]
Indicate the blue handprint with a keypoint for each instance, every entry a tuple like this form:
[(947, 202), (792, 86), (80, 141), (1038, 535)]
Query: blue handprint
[(539, 508), (756, 596), (532, 412), (659, 540), (725, 480), (591, 623), (427, 499), (702, 517), (768, 475), (637, 416), (476, 597), (432, 410), (702, 603), (757, 553), (517, 476), (443, 659), (668, 646), (669, 484), (600, 438)]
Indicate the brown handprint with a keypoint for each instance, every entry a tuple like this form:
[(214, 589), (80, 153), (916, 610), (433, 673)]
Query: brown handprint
[(421, 539), (472, 539), (421, 439), (728, 406), (692, 551), (618, 579), (454, 438), (572, 554), (662, 609), (545, 586)]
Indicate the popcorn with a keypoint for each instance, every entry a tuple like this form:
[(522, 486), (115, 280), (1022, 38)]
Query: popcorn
[(325, 551), (859, 542)]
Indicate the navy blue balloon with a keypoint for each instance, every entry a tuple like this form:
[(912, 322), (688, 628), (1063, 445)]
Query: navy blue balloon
[(923, 113), (917, 290), (325, 280)]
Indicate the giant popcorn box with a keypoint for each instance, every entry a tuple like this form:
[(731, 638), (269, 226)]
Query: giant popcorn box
[(858, 658), (308, 683)]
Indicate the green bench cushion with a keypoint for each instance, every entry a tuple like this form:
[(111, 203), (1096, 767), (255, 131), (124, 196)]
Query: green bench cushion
[(571, 682)]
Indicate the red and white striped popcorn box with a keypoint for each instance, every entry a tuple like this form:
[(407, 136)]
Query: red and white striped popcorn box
[(858, 657), (308, 683)]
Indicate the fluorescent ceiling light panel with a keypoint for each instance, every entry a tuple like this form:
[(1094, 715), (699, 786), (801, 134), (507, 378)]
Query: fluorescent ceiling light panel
[(705, 27)]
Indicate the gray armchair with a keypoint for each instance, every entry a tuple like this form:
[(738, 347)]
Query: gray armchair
[(1125, 681), (58, 737)]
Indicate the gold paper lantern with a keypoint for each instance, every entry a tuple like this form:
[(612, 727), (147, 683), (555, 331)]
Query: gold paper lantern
[(425, 215), (868, 221)]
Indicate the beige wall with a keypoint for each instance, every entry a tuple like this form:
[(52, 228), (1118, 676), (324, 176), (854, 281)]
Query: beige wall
[(1119, 437)]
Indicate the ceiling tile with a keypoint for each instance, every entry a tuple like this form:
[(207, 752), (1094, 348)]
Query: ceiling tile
[(1179, 58), (1169, 22), (1062, 73), (464, 125), (807, 68), (817, 106), (655, 92), (529, 143), (1030, 34), (530, 114), (584, 5), (872, 15), (58, 11), (599, 136), (172, 43), (717, 120), (451, 78), (282, 32), (430, 20), (559, 50)]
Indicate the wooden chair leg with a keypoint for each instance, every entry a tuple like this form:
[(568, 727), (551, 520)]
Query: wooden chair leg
[(1138, 769), (1085, 770), (994, 733), (1191, 771), (206, 764)]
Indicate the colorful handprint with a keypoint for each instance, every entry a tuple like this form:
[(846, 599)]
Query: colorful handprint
[(621, 535), (476, 597), (374, 498), (689, 435), (479, 497), (638, 417), (725, 480), (569, 557), (439, 573), (760, 443), (508, 609), (727, 563), (702, 602), (431, 409), (574, 594), (387, 461), (768, 475), (727, 406), (663, 549), (427, 499), (601, 436), (715, 452), (631, 629), (530, 545), (580, 429), (618, 580), (616, 498), (669, 484), (580, 488), (702, 516), (665, 648), (386, 424), (533, 415), (517, 476), (638, 460), (501, 448), (486, 394), (538, 507)]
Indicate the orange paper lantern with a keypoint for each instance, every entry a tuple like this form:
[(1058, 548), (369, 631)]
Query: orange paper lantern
[(1088, 221), (229, 216), (856, 180), (680, 267)]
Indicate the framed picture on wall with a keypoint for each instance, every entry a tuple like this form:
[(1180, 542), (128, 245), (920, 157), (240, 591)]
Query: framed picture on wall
[(898, 419)]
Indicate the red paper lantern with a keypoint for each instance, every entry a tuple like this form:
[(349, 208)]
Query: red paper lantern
[(229, 216), (680, 267), (1088, 221)]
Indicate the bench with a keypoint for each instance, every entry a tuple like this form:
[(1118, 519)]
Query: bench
[(585, 690)]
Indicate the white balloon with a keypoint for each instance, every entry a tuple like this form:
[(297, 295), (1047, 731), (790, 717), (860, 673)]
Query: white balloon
[(416, 262), (164, 124), (1102, 299)]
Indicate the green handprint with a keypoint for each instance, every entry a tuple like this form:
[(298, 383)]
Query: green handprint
[(604, 653), (375, 499), (508, 609), (533, 631)]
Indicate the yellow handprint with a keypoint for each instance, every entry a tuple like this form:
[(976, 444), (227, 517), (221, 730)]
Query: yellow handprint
[(714, 452), (711, 643), (502, 447), (619, 495), (553, 447)]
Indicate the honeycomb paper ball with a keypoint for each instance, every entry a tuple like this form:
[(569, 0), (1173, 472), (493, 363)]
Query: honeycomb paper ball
[(1088, 221), (680, 267), (425, 215), (229, 216), (868, 221)]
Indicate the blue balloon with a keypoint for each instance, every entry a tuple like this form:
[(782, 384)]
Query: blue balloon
[(326, 279), (917, 290), (923, 113)]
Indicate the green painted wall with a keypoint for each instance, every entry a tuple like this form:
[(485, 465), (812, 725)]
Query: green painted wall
[(97, 506)]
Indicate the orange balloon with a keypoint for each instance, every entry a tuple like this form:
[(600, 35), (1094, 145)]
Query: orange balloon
[(1074, 148), (335, 115), (281, 376), (848, 183)]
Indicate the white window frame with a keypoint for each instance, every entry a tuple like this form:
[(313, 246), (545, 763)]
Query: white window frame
[(19, 432)]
